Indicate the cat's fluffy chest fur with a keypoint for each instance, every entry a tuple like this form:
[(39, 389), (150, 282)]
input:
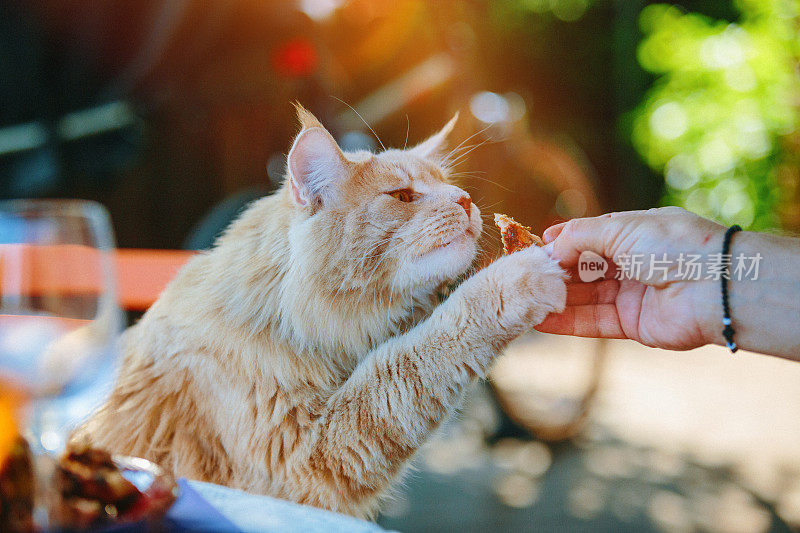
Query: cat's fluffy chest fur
[(288, 361)]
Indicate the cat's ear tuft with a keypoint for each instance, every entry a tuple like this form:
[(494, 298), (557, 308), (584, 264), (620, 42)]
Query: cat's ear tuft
[(316, 164), (306, 118), (434, 145)]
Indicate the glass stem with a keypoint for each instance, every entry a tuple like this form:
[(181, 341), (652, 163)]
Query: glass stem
[(40, 437), (46, 497)]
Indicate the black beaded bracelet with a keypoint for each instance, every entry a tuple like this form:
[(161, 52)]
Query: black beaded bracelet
[(727, 330)]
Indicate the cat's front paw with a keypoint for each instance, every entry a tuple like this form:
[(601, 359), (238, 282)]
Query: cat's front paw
[(522, 289)]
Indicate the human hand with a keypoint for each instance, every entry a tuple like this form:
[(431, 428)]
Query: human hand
[(661, 310)]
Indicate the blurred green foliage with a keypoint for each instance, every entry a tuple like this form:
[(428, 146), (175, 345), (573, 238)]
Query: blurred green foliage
[(724, 95)]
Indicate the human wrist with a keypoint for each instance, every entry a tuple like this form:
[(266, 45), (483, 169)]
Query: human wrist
[(763, 302), (709, 308), (708, 311)]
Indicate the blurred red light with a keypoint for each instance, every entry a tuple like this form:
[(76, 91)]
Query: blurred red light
[(295, 58)]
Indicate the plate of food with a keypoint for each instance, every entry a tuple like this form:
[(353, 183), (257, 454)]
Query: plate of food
[(93, 489), (98, 489)]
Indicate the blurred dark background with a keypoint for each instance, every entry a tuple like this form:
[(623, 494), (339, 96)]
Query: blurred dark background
[(162, 109)]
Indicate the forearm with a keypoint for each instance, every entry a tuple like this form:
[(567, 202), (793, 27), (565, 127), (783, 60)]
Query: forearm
[(407, 386), (386, 409), (765, 308)]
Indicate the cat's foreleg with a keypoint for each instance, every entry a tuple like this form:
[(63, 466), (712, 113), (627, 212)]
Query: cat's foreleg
[(405, 388)]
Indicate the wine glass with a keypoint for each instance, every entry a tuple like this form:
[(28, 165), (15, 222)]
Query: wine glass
[(59, 318)]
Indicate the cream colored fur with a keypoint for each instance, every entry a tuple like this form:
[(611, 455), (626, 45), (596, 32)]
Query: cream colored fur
[(303, 356)]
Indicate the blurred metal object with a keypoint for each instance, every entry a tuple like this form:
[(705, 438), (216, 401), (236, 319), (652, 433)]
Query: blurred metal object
[(78, 124), (561, 419), (22, 137)]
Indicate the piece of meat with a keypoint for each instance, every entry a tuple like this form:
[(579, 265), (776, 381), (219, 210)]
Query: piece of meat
[(515, 236)]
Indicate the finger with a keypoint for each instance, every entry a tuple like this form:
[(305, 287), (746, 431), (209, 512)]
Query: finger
[(630, 302), (596, 321), (552, 232), (573, 275), (581, 234), (598, 292)]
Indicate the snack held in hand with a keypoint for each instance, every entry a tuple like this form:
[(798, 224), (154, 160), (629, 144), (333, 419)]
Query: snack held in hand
[(515, 236)]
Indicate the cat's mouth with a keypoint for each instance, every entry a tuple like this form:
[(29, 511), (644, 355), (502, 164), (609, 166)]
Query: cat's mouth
[(460, 238), (448, 258)]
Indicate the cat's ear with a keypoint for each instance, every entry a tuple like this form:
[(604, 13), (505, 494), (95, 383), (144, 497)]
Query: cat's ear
[(434, 145), (315, 162)]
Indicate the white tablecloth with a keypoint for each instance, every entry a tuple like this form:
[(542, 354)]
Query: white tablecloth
[(261, 514)]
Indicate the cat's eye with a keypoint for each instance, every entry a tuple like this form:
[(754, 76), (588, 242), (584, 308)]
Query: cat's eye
[(404, 195)]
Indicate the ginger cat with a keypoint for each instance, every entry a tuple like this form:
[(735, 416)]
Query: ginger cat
[(304, 356)]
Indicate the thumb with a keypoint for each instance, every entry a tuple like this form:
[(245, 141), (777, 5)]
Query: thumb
[(569, 239)]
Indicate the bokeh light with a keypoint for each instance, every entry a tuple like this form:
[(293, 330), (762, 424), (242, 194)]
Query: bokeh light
[(490, 107), (320, 9), (725, 96)]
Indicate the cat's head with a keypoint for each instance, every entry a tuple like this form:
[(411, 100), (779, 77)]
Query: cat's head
[(390, 221)]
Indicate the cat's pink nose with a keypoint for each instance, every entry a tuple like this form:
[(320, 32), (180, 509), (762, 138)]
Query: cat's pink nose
[(465, 202)]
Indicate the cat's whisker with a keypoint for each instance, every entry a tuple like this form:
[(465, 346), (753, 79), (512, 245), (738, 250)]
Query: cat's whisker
[(370, 253), (455, 162), (363, 258), (360, 258), (369, 278), (451, 163), (362, 120), (456, 158), (408, 129), (488, 216), (462, 143), (487, 180), (339, 290), (361, 262), (489, 207), (466, 147), (375, 269), (469, 173), (391, 295)]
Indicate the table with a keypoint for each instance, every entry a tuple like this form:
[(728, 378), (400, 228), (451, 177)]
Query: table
[(141, 274), (237, 511)]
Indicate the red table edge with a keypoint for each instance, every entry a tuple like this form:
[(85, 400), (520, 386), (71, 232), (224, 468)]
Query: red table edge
[(142, 274)]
